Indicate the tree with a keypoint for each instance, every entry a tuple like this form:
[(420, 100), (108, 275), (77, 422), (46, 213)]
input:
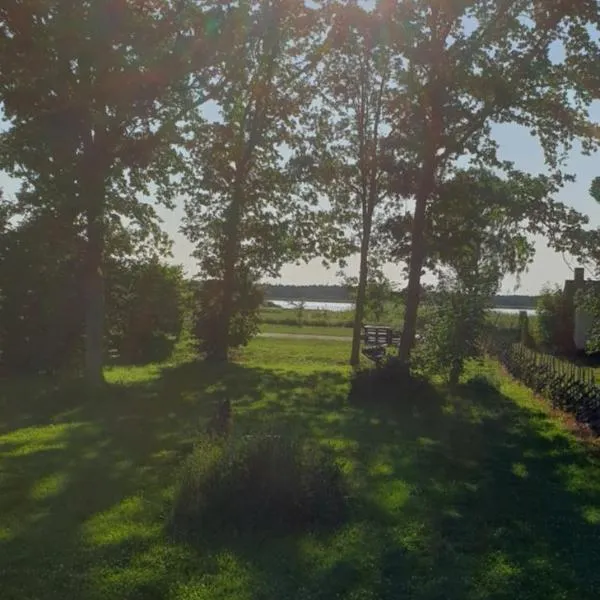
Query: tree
[(247, 210), (92, 91), (595, 189), (350, 122), (379, 294), (479, 228), (466, 65), (41, 295), (42, 258), (477, 208)]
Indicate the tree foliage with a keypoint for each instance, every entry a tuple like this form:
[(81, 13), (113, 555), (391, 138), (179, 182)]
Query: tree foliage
[(595, 189), (497, 217), (42, 294), (91, 91), (457, 322), (145, 309), (466, 66)]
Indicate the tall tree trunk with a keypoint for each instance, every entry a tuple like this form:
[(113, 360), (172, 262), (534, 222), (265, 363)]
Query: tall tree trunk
[(433, 127), (94, 293), (230, 257), (417, 259), (361, 294)]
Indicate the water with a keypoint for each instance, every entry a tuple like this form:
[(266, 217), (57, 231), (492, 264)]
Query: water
[(345, 306), (514, 311), (332, 306)]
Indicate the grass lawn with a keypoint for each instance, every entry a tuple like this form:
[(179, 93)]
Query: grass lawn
[(471, 495), (306, 330)]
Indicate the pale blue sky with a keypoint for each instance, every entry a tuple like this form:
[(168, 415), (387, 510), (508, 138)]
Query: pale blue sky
[(516, 145)]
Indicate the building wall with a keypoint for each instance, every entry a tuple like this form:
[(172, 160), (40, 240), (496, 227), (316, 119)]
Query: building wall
[(583, 323)]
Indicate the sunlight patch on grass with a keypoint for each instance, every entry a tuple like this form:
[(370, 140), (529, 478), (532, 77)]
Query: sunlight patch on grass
[(592, 514), (520, 470), (146, 574), (229, 579), (497, 573), (131, 375), (299, 355), (39, 438), (393, 494), (427, 442), (124, 521), (381, 468), (49, 486)]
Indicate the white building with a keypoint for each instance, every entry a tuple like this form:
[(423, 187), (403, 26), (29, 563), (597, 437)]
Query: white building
[(582, 320)]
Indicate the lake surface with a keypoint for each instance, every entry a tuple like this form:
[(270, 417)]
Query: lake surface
[(345, 306), (333, 306)]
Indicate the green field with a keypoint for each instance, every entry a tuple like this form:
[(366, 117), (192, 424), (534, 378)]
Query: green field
[(306, 330), (463, 495), (393, 315), (315, 318)]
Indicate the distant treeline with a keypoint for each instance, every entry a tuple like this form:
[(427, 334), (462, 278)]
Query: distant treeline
[(515, 301), (339, 293)]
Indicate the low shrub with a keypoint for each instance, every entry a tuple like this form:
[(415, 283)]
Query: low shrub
[(553, 330), (257, 483), (454, 331)]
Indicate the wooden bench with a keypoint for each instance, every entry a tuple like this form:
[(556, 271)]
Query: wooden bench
[(376, 339)]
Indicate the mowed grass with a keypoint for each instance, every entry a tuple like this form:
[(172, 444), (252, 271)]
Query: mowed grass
[(473, 494), (306, 330)]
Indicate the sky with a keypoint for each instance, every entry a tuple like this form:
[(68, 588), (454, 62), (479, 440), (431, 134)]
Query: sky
[(516, 144)]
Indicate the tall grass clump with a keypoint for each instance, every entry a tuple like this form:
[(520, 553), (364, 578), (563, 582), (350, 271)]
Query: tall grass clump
[(265, 483)]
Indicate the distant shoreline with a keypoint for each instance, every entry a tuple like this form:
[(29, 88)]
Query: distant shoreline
[(341, 305), (336, 294)]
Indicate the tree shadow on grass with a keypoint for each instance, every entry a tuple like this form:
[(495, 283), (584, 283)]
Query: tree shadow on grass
[(505, 504), (459, 495), (463, 494), (87, 482)]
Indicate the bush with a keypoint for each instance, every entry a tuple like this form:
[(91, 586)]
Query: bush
[(145, 309), (257, 483), (41, 297), (453, 334), (588, 301), (554, 325)]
